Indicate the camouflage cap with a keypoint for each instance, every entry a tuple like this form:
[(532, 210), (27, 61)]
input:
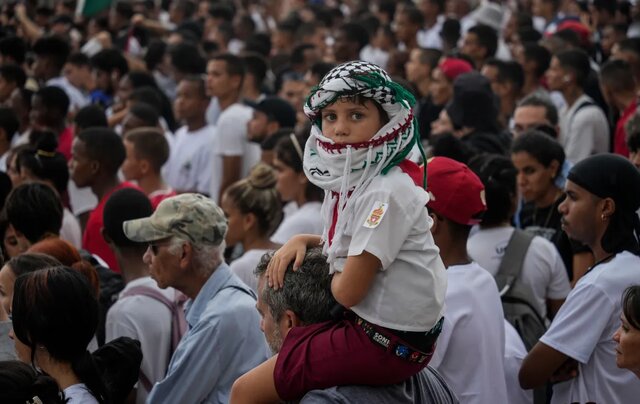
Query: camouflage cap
[(191, 217)]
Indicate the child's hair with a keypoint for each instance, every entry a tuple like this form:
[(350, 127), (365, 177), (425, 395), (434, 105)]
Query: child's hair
[(104, 146), (498, 175), (35, 210), (631, 306), (257, 194), (44, 162), (30, 262), (55, 308), (90, 116), (150, 144), (289, 150), (21, 383), (541, 147)]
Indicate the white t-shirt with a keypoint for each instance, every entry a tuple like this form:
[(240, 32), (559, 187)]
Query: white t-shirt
[(514, 354), (77, 99), (82, 200), (231, 140), (583, 330), (70, 230), (470, 350), (583, 132), (79, 394), (408, 291), (245, 265), (147, 320), (305, 220), (430, 37), (543, 269), (190, 164)]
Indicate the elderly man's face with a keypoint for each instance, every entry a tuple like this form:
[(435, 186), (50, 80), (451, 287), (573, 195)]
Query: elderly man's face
[(163, 266), (273, 331)]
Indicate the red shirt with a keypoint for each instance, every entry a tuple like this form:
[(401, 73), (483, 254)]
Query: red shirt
[(620, 138), (158, 196), (64, 142), (92, 239)]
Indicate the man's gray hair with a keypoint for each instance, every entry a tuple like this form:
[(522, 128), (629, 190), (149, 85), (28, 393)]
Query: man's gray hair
[(306, 292), (206, 257), (539, 100)]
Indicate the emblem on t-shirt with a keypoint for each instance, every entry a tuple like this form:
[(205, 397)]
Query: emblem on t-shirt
[(375, 216)]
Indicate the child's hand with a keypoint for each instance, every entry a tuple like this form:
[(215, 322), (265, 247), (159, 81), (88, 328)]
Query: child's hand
[(294, 249)]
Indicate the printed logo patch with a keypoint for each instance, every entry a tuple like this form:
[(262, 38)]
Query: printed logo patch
[(375, 216)]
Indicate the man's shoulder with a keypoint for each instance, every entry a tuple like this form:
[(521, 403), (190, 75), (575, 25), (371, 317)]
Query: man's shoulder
[(426, 387)]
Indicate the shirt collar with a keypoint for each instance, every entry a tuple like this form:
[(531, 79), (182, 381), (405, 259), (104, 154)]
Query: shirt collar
[(194, 307)]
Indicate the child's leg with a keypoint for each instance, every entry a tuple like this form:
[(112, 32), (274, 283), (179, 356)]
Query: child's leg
[(256, 386)]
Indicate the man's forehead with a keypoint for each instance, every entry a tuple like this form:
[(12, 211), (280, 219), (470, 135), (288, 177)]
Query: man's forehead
[(530, 112)]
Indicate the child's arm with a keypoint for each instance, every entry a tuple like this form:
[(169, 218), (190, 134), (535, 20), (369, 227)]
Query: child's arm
[(293, 250), (353, 284)]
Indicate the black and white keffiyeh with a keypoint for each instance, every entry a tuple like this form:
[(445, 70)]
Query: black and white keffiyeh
[(346, 170)]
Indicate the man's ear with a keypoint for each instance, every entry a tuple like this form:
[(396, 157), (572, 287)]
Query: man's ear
[(145, 166), (186, 255), (290, 320), (434, 227), (608, 208)]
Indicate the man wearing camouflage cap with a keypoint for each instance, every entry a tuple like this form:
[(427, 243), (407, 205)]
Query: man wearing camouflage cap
[(186, 244)]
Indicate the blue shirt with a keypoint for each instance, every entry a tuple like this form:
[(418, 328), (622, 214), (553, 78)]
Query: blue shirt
[(223, 342)]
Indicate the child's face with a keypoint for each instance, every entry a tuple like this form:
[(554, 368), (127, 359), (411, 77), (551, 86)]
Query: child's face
[(346, 121)]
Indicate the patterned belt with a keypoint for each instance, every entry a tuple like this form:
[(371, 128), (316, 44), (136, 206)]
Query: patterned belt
[(392, 343)]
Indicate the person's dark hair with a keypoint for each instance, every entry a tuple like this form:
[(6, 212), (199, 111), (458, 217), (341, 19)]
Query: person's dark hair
[(35, 210), (143, 80), (155, 53), (297, 54), (498, 175), (257, 195), (9, 122), (15, 47), (541, 147), (577, 61), (110, 60), (540, 55), (529, 35), (256, 65), (487, 38), (44, 162), (355, 32), (55, 99), (430, 56), (125, 204), (630, 45), (54, 48), (150, 144), (450, 32), (223, 11), (90, 116), (13, 74), (20, 383), (200, 83), (104, 146), (30, 262), (306, 291), (56, 308), (187, 59), (258, 42), (320, 69), (146, 113), (631, 306), (617, 76), (124, 9), (140, 78), (447, 145), (308, 28), (79, 59), (607, 6), (569, 38), (414, 15), (509, 71), (234, 65), (287, 153), (535, 100)]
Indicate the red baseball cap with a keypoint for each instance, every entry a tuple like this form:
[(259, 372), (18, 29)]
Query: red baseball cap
[(455, 191), (453, 67)]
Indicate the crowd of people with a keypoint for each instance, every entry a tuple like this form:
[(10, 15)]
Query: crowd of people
[(428, 201)]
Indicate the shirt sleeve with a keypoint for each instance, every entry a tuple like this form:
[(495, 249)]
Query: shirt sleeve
[(232, 132), (578, 326), (202, 171), (585, 127), (386, 235)]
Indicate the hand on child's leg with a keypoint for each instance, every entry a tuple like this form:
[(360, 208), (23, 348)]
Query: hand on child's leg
[(256, 386)]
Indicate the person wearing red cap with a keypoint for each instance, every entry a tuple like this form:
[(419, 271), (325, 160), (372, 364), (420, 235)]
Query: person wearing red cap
[(442, 78), (474, 319)]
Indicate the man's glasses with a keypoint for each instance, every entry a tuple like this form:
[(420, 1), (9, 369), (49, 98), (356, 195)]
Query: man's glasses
[(155, 247)]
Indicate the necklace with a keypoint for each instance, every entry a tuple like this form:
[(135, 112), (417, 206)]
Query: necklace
[(551, 209)]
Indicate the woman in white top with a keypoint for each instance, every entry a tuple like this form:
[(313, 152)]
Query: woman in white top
[(253, 209), (578, 351), (55, 315), (293, 185)]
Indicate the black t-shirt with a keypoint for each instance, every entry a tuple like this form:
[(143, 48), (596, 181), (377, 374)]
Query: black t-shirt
[(545, 222)]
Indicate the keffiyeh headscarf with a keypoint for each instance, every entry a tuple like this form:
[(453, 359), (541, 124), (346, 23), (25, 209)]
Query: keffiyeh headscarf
[(345, 170)]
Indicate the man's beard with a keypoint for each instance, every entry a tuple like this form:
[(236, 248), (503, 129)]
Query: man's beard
[(275, 341)]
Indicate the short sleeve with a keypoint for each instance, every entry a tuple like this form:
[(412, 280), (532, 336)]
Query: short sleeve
[(232, 133), (578, 326), (384, 233)]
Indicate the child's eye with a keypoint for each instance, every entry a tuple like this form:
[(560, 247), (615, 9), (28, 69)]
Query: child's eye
[(329, 117), (356, 116)]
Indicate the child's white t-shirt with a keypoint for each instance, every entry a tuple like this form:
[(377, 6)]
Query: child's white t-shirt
[(583, 330), (190, 165), (390, 221)]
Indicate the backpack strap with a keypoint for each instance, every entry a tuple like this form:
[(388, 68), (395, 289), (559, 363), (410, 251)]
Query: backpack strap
[(513, 260)]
